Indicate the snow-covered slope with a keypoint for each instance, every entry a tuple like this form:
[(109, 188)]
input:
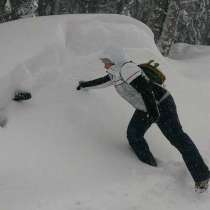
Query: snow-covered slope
[(66, 149)]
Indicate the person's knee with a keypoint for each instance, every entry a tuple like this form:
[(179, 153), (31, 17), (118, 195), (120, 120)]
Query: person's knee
[(131, 135), (134, 134)]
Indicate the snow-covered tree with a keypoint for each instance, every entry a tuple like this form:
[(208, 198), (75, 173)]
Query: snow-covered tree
[(24, 8), (194, 21), (27, 8)]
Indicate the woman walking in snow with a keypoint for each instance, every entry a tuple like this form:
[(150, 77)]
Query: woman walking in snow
[(153, 104)]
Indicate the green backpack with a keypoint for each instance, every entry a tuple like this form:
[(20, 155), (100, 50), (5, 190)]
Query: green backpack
[(152, 72)]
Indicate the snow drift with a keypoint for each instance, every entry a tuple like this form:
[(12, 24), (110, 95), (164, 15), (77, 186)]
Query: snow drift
[(66, 149)]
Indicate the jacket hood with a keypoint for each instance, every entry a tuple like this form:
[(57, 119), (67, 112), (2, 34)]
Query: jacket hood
[(115, 54)]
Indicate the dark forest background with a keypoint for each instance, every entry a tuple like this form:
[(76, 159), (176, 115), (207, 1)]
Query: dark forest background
[(170, 20)]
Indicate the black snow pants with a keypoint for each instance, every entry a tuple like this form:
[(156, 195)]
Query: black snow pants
[(170, 126)]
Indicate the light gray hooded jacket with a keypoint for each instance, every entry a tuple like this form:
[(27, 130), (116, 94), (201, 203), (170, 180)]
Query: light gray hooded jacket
[(129, 81)]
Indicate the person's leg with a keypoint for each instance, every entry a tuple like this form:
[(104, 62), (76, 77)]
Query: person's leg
[(170, 126), (135, 134)]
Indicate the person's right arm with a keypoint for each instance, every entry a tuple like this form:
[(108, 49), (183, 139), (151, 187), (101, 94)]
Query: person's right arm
[(96, 83)]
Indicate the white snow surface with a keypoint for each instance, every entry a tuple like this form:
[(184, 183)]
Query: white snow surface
[(67, 149)]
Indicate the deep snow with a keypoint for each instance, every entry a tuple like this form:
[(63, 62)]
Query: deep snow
[(67, 149)]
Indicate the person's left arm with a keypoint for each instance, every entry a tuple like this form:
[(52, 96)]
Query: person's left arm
[(101, 82)]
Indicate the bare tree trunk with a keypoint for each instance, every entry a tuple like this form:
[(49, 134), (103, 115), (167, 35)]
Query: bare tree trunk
[(157, 16), (169, 31)]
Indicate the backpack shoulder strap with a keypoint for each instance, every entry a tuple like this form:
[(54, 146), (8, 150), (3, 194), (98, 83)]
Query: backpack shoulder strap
[(129, 74)]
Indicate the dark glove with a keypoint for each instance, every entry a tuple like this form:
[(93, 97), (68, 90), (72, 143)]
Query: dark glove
[(22, 96), (81, 85)]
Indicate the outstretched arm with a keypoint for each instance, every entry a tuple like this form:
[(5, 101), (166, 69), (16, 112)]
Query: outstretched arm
[(96, 83)]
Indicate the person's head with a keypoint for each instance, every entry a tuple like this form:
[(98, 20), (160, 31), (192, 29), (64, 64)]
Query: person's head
[(113, 56), (107, 63)]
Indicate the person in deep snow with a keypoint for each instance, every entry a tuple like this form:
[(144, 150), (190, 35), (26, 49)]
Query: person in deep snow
[(153, 104)]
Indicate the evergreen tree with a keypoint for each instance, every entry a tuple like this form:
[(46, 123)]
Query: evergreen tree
[(45, 7), (2, 6)]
